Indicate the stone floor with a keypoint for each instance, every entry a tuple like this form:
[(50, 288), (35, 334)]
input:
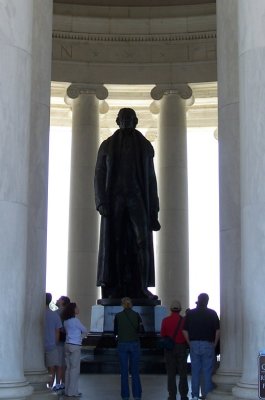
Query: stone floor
[(107, 387)]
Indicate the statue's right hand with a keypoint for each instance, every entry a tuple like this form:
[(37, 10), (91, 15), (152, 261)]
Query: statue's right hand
[(103, 210)]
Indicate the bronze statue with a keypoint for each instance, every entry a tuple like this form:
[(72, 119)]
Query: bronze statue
[(126, 198)]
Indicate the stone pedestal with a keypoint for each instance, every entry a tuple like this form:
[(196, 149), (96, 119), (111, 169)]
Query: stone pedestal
[(99, 351), (102, 317)]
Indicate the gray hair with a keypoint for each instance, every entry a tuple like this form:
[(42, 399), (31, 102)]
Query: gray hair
[(126, 302)]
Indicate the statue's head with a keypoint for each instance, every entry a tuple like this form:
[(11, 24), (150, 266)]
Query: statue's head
[(127, 119)]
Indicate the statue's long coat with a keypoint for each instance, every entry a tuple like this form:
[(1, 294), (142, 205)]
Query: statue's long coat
[(144, 154)]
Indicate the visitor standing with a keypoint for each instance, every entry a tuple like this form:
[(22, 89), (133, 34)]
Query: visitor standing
[(175, 359), (52, 326), (127, 326), (202, 331), (61, 303), (75, 331)]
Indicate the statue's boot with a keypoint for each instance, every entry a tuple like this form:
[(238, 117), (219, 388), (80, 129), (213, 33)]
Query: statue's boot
[(146, 294)]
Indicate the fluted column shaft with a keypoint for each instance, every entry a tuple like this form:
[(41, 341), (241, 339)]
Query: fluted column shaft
[(230, 219), (252, 144), (173, 258), (83, 217), (35, 370), (15, 70)]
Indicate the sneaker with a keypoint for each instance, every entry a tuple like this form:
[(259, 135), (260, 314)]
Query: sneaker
[(56, 388)]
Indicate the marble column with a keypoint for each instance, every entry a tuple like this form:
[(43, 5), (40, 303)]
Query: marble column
[(172, 272), (230, 219), (15, 71), (34, 368), (83, 217), (252, 145)]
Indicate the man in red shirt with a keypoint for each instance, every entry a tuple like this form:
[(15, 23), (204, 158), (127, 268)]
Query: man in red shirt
[(176, 359)]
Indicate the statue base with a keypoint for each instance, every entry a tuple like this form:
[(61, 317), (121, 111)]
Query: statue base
[(102, 316), (135, 302), (99, 353)]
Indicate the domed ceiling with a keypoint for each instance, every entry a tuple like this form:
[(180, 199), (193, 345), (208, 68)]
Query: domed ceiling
[(165, 48), (135, 3)]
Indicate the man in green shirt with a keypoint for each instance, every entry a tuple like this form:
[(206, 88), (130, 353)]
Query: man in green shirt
[(127, 325)]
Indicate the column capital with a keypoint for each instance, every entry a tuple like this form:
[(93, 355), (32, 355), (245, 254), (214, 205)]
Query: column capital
[(182, 90), (154, 107), (75, 89)]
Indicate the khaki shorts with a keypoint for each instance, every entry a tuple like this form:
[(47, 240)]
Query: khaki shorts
[(51, 358), (61, 355)]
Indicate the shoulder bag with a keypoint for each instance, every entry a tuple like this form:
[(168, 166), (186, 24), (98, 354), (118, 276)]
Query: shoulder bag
[(168, 342)]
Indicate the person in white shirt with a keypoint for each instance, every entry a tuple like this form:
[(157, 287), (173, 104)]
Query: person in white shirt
[(75, 331), (61, 303)]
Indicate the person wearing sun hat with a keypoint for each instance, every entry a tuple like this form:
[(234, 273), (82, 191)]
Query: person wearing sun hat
[(202, 332), (176, 359)]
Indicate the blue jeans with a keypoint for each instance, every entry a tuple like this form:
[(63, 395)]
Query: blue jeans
[(202, 356), (129, 357)]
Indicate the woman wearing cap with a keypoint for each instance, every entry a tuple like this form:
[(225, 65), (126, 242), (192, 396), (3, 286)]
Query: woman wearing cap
[(127, 325), (176, 359)]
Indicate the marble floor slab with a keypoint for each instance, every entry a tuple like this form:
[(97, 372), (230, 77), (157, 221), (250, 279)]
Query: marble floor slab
[(107, 387)]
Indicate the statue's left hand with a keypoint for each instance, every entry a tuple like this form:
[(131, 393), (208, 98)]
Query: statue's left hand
[(155, 225), (103, 210)]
